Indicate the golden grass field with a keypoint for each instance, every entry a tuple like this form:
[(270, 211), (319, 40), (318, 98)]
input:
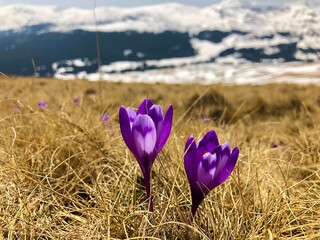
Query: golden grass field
[(65, 175)]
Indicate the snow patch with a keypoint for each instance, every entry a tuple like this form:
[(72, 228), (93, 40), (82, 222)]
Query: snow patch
[(127, 52), (208, 73)]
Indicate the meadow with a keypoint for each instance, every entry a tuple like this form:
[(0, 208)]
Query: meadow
[(65, 174)]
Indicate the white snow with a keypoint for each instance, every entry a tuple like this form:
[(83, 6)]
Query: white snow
[(140, 54), (271, 50), (79, 62), (120, 66), (127, 52), (208, 73), (307, 56), (295, 17), (64, 70)]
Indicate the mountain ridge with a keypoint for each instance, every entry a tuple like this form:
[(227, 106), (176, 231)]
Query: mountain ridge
[(166, 17)]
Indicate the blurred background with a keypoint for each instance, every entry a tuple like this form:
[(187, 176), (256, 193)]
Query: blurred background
[(229, 41)]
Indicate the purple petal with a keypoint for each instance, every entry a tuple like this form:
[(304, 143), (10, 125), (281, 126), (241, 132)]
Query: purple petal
[(42, 104), (145, 106), (205, 179), (191, 162), (207, 170), (224, 156), (205, 118), (228, 168), (166, 128), (145, 136), (105, 118), (76, 100), (204, 176), (156, 115), (132, 115), (125, 127), (189, 141), (209, 142)]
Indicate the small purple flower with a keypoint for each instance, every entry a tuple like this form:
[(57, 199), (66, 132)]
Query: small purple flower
[(274, 145), (205, 118), (42, 104), (207, 164), (76, 100), (145, 132), (280, 144), (105, 118)]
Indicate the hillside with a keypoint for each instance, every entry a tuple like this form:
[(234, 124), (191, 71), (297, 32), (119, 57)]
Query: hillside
[(65, 174)]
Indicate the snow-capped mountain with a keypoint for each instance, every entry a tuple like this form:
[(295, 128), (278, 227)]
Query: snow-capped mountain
[(227, 15), (62, 42)]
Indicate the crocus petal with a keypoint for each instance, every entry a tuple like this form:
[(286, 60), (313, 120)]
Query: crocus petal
[(144, 107), (201, 187), (207, 170), (165, 129), (132, 115), (145, 136), (228, 168), (125, 127), (191, 162), (156, 115), (42, 104), (76, 100), (224, 150), (209, 142), (188, 143)]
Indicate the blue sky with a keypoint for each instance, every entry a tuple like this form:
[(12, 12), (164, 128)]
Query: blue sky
[(131, 3)]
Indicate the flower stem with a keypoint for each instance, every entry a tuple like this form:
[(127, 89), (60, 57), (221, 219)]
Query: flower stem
[(192, 213), (148, 189), (191, 217)]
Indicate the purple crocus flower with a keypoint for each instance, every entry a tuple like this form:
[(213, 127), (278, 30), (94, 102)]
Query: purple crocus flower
[(207, 165), (205, 118), (42, 104), (145, 132), (76, 100), (105, 118)]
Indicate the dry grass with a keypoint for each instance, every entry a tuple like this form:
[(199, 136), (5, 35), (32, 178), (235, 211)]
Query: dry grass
[(65, 175)]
